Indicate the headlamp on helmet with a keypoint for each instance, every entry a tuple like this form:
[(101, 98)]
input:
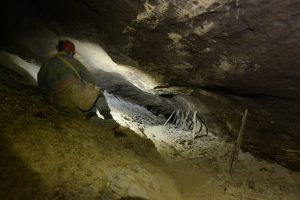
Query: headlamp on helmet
[(66, 46)]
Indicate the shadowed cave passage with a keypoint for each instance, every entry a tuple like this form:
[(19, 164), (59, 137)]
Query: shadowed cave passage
[(153, 59)]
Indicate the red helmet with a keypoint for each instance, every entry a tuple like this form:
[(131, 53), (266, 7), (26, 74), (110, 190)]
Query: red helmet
[(66, 45)]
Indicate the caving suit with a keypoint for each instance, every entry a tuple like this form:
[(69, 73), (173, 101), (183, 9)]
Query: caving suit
[(68, 83)]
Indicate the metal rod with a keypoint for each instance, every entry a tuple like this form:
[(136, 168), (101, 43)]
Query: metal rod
[(169, 118), (195, 124), (237, 144), (176, 116), (185, 119), (182, 120)]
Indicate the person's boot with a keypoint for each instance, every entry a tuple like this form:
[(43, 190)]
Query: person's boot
[(104, 123), (106, 114), (107, 123), (91, 115)]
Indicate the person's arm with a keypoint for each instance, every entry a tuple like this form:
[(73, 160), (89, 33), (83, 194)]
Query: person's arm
[(86, 74)]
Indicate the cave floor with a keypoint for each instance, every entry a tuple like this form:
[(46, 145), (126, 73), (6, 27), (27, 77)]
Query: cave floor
[(200, 166), (53, 153)]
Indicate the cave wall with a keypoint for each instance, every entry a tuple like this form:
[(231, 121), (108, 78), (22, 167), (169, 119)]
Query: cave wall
[(244, 52), (245, 47), (242, 46)]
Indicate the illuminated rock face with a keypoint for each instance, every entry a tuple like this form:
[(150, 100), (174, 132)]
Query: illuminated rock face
[(243, 51), (247, 47)]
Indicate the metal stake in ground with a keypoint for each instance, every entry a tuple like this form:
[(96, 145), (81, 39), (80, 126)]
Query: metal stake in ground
[(185, 120), (195, 124), (238, 141), (176, 117), (169, 118)]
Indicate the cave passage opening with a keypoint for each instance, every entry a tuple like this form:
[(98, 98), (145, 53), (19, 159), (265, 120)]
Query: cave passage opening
[(142, 117), (206, 158)]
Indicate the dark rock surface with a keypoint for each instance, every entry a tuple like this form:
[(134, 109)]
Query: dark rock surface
[(48, 152), (247, 50)]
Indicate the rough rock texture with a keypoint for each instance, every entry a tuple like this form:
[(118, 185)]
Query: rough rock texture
[(242, 48), (52, 153), (248, 47)]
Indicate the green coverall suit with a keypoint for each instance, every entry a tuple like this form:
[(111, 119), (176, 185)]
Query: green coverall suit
[(68, 83)]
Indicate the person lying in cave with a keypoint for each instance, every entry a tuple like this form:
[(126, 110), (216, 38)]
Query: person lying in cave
[(65, 81)]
